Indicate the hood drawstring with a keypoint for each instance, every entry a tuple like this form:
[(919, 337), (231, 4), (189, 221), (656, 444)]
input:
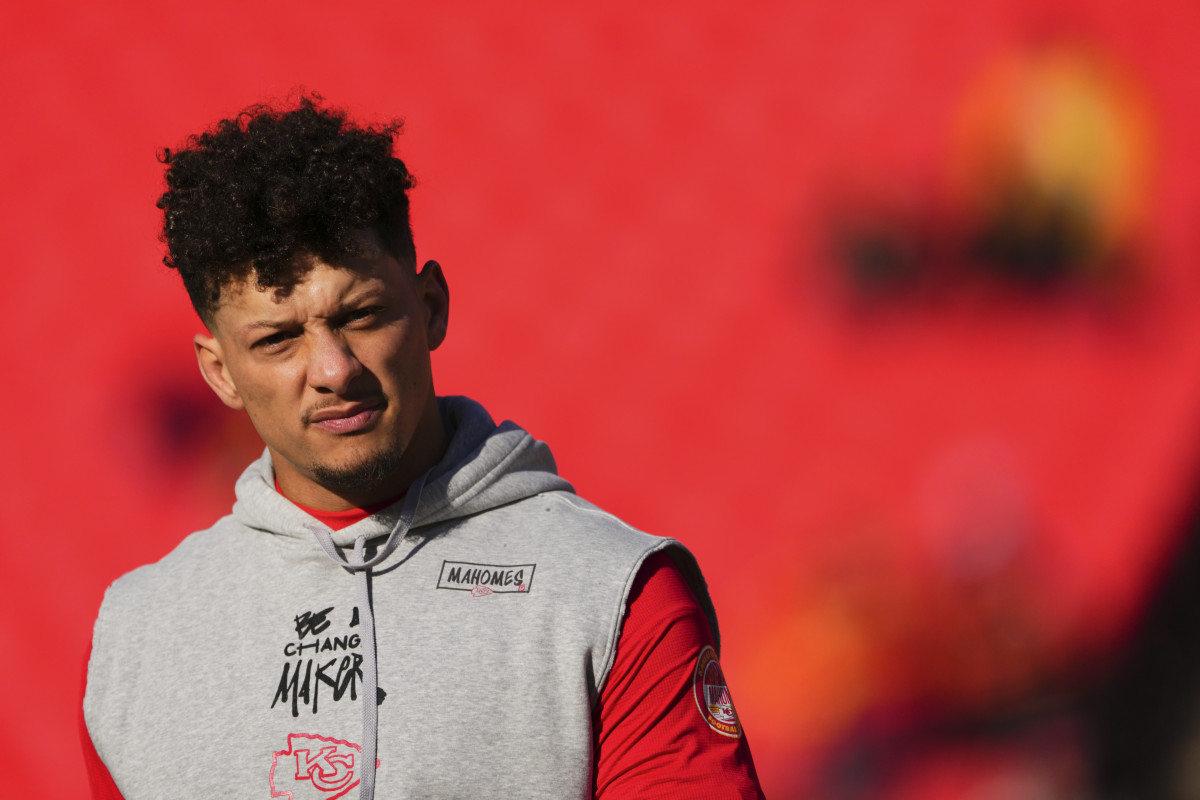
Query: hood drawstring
[(362, 570)]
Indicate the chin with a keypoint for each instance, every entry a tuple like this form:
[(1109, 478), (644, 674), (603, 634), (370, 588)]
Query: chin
[(366, 474)]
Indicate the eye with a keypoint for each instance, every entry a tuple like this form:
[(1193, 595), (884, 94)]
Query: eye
[(364, 314), (273, 341)]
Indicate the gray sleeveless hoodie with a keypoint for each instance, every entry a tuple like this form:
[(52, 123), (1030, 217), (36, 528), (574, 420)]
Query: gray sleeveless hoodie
[(236, 666)]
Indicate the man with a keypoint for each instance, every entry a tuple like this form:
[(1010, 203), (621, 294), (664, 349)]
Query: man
[(407, 600)]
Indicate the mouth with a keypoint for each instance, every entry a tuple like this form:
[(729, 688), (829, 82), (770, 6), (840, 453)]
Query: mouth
[(347, 418)]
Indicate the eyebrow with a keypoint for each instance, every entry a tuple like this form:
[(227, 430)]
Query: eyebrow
[(364, 295), (253, 326)]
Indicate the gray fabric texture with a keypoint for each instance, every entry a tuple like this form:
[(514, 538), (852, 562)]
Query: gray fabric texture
[(235, 666)]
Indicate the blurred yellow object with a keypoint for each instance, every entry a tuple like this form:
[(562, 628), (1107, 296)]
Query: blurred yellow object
[(1055, 136)]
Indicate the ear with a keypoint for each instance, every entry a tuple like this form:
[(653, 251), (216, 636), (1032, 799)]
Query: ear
[(435, 296), (216, 374)]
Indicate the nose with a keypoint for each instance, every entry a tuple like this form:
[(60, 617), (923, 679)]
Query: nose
[(332, 366)]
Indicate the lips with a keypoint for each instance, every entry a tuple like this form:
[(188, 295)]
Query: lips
[(348, 418)]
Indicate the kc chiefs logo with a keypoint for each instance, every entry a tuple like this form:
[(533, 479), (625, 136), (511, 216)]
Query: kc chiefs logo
[(315, 767)]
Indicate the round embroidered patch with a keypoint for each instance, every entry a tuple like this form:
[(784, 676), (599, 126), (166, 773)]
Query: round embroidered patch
[(712, 695)]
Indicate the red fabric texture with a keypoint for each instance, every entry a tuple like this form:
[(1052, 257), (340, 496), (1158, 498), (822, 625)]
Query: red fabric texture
[(336, 520), (651, 739)]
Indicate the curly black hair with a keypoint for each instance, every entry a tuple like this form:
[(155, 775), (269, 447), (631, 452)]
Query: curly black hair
[(261, 193)]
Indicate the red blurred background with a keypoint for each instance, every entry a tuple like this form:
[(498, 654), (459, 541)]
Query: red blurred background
[(889, 311)]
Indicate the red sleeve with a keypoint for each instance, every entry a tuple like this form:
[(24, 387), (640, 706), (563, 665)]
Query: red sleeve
[(103, 787), (653, 740)]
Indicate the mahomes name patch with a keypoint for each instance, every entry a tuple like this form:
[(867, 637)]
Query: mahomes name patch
[(486, 578)]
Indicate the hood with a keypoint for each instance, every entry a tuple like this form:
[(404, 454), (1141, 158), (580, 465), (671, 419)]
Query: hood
[(486, 465)]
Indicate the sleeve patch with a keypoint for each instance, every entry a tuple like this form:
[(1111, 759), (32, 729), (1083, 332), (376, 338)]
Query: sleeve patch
[(712, 695)]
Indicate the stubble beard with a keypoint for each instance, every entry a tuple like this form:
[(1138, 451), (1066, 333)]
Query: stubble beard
[(365, 476)]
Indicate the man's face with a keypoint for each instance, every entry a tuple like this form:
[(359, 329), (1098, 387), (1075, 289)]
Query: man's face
[(335, 374)]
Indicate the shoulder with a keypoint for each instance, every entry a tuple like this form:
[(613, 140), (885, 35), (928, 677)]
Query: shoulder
[(202, 564), (596, 543), (189, 559), (654, 553), (569, 515), (155, 610), (567, 527)]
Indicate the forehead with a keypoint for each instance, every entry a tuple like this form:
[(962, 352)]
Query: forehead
[(315, 288)]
